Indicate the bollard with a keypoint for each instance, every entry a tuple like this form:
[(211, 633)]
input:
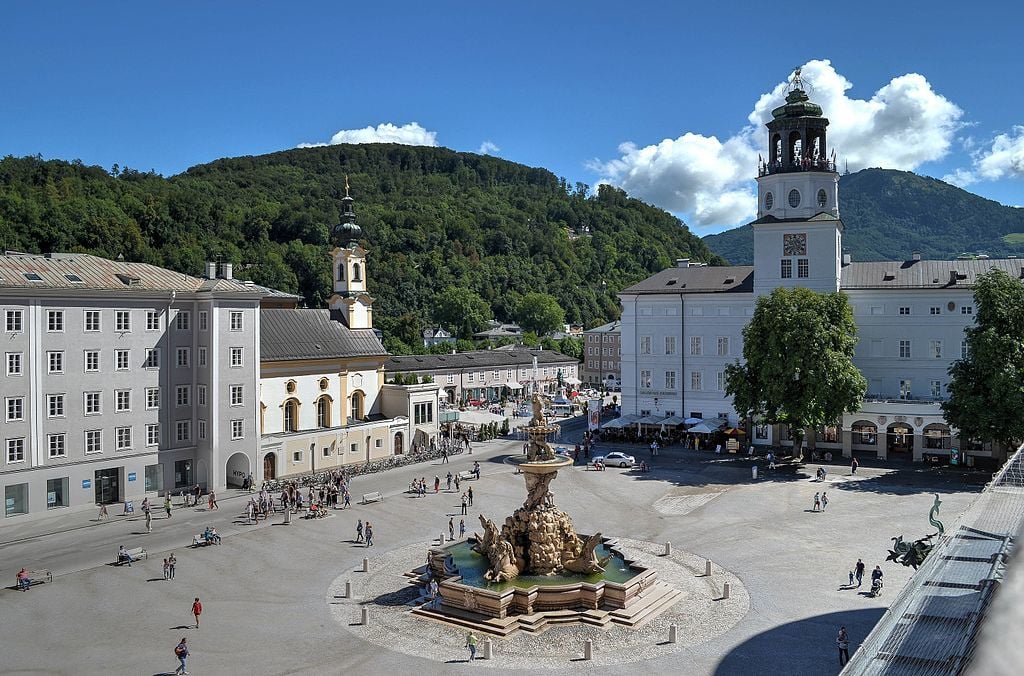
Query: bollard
[(725, 591), (707, 568), (753, 472), (588, 649), (668, 549), (441, 538), (287, 515), (366, 565), (348, 589), (365, 616), (487, 648), (672, 633)]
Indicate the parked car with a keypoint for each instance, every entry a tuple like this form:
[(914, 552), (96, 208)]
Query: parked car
[(563, 451), (616, 459)]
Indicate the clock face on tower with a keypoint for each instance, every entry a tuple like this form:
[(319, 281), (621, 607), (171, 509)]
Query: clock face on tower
[(794, 244)]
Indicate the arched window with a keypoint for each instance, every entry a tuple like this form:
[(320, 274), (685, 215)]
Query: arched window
[(357, 275), (341, 272), (291, 415), (795, 148), (323, 411), (357, 405), (776, 148)]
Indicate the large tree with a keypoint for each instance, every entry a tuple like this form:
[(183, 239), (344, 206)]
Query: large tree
[(540, 313), (798, 362), (986, 390), (462, 311)]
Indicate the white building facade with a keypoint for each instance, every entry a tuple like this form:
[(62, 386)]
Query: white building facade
[(683, 326)]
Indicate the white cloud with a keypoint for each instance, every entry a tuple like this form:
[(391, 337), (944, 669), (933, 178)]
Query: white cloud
[(709, 181), (411, 134), (488, 148), (1004, 158)]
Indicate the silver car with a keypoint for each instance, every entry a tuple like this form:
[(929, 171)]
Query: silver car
[(616, 459)]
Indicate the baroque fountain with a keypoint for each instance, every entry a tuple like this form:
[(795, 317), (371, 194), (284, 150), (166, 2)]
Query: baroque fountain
[(535, 569)]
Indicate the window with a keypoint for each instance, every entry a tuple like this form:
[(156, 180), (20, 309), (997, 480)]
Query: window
[(56, 443), (154, 477), (830, 434), (936, 389), (966, 309), (183, 395), (92, 320), (92, 361), (183, 357), (670, 344), (802, 268), (864, 433), (905, 389), (123, 321), (721, 381), (877, 310), (121, 360), (202, 357), (183, 430), (237, 430), (204, 320), (696, 345), (935, 310), (645, 344), (297, 456), (93, 441), (55, 361), (236, 396), (16, 499), (423, 413), (794, 198), (235, 321), (470, 377), (357, 405), (152, 320), (15, 408), (152, 435), (93, 403), (14, 367), (54, 320), (323, 411), (183, 320), (291, 415), (202, 429), (152, 398), (14, 321), (670, 380), (904, 349), (723, 346), (696, 381), (904, 310), (15, 450), (935, 349), (645, 379), (236, 357), (152, 358), (354, 448), (201, 395), (122, 400), (327, 452), (964, 349), (55, 405), (123, 436), (451, 378), (787, 269)]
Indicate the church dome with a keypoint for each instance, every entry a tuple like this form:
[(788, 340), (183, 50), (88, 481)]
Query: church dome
[(797, 105)]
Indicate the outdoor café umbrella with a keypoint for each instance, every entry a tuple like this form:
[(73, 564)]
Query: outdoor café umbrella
[(692, 421)]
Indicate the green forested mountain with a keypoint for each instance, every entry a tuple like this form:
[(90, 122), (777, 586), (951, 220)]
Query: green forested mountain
[(889, 214), (432, 218)]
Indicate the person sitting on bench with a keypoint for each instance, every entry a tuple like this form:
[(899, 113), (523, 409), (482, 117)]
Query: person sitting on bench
[(210, 535), (123, 556), (24, 581)]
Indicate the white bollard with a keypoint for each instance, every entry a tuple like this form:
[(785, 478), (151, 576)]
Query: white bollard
[(365, 616), (366, 565), (668, 549), (707, 568), (672, 633), (725, 590), (588, 649), (441, 539), (348, 589), (487, 648), (753, 472)]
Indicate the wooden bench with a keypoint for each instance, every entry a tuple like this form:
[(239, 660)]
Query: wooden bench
[(376, 496), (134, 554), (467, 475), (35, 577)]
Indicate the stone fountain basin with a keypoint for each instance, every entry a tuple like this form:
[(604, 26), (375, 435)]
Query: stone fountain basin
[(539, 466), (622, 582)]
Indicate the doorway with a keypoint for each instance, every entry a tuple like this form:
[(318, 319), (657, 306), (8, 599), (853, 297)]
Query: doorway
[(399, 443), (108, 486), (269, 466)]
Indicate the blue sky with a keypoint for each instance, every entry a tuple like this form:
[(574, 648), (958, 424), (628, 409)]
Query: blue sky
[(165, 86)]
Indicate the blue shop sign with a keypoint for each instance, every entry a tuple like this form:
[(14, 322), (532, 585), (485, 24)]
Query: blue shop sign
[(86, 483), (131, 476)]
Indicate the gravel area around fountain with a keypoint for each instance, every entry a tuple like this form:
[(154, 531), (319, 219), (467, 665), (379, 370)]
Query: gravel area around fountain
[(700, 615)]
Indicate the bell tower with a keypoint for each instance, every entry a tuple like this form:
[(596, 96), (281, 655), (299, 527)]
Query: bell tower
[(350, 298)]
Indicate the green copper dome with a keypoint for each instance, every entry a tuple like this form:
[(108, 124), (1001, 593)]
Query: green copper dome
[(797, 105)]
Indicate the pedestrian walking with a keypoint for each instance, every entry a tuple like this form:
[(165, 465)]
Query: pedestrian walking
[(853, 466), (444, 455), (471, 644), (197, 610), (433, 589), (103, 513), (451, 528), (843, 641), (462, 528), (167, 505), (449, 481), (771, 460), (465, 503), (348, 499), (369, 534), (457, 483), (181, 652), (824, 500), (469, 494), (212, 500), (437, 483), (167, 569), (359, 530), (172, 563), (851, 578), (198, 493), (149, 519), (817, 502), (858, 571)]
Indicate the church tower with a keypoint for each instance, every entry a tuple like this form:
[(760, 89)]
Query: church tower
[(797, 234), (350, 301)]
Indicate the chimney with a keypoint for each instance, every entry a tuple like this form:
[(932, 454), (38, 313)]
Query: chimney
[(916, 256), (847, 259), (682, 262), (952, 277), (211, 270), (225, 270)]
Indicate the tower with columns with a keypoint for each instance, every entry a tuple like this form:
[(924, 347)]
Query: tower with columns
[(350, 299)]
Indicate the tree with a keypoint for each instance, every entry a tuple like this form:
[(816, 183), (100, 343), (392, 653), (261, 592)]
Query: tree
[(986, 389), (540, 313), (462, 310), (798, 362), (572, 347)]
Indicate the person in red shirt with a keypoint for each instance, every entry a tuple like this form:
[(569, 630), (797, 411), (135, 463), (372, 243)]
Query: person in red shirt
[(197, 610)]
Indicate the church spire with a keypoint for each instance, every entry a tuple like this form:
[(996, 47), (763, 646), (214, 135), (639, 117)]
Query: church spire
[(347, 232)]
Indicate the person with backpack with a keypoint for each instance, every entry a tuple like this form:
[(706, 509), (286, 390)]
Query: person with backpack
[(181, 652), (359, 530)]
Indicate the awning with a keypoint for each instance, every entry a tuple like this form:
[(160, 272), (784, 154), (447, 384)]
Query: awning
[(703, 428), (513, 385), (624, 421), (650, 420), (479, 417), (673, 421), (572, 380)]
